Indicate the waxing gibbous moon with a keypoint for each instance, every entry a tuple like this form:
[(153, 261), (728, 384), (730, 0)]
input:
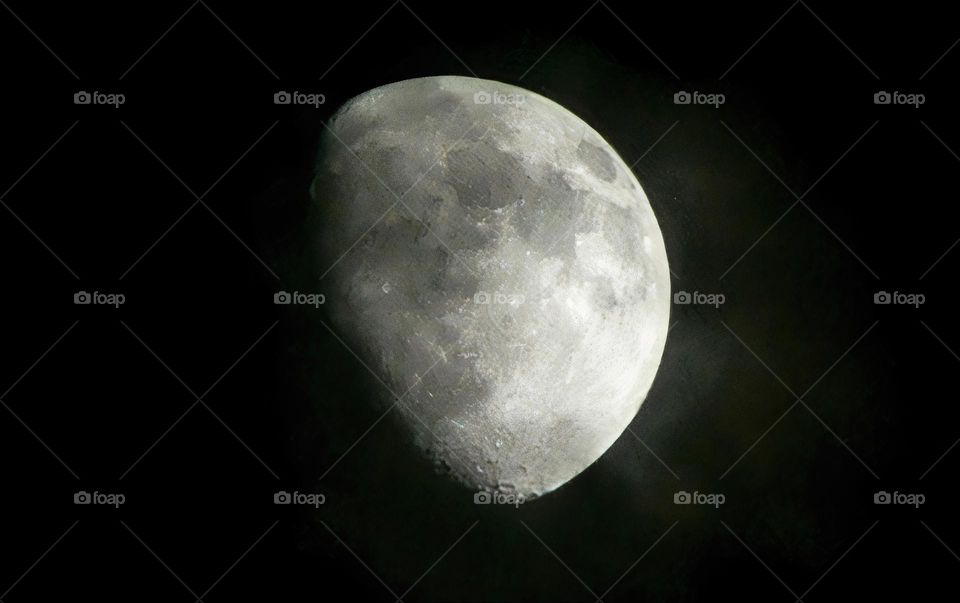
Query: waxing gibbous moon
[(500, 269)]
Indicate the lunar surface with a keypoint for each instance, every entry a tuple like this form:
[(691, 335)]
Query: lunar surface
[(500, 269)]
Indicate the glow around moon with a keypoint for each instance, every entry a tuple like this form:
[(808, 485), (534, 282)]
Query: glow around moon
[(499, 267)]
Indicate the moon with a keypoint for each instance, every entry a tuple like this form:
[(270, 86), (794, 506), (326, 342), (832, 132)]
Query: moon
[(498, 267)]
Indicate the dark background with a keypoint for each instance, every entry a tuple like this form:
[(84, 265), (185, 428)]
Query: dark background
[(799, 519)]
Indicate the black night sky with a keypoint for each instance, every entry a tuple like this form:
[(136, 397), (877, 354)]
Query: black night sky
[(799, 399)]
